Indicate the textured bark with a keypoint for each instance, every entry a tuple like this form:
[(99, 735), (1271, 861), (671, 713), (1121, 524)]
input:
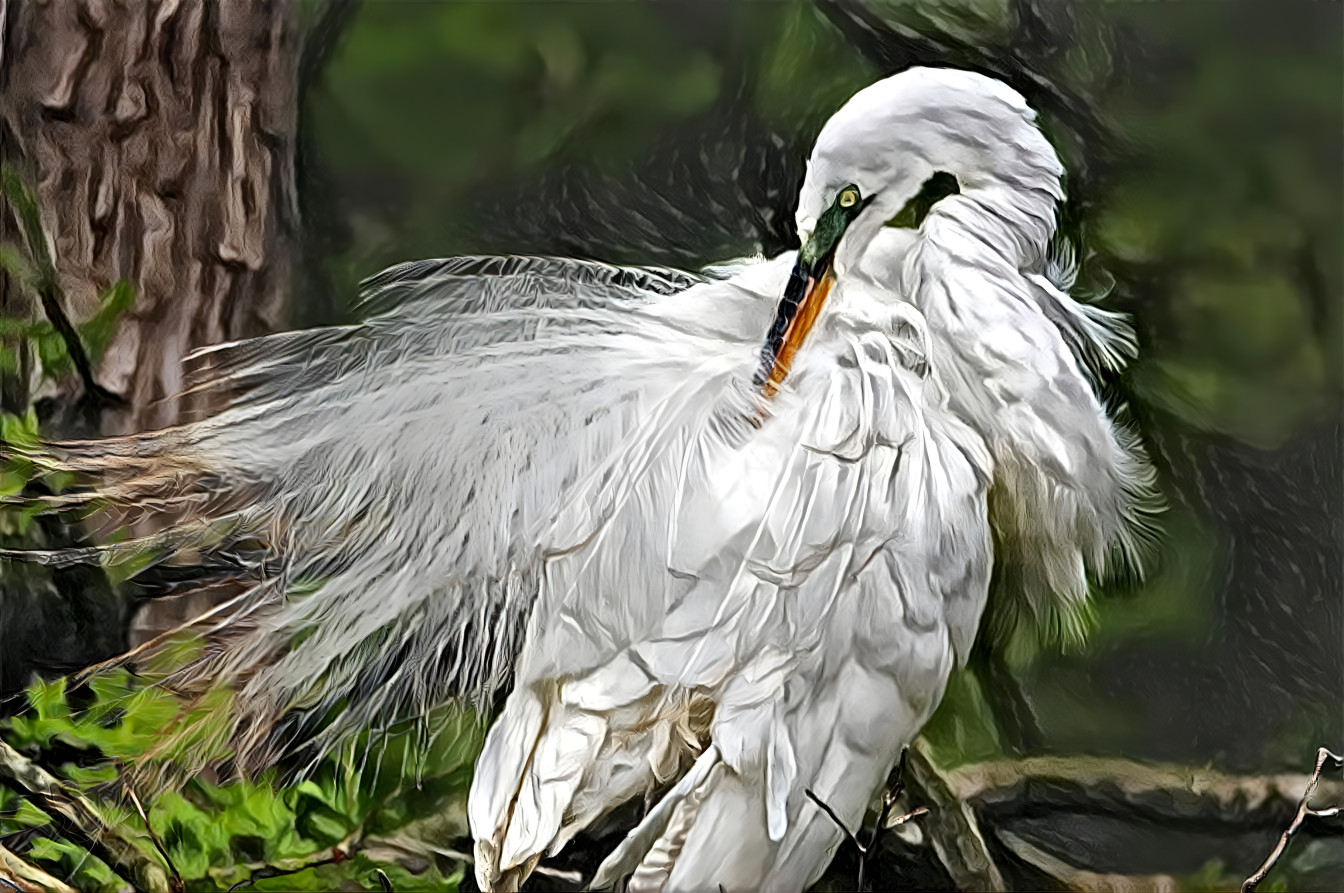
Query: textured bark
[(160, 136)]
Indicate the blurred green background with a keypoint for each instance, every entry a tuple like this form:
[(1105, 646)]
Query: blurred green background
[(1207, 204)]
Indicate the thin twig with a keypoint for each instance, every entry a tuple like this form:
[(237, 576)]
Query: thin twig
[(560, 874), (260, 871), (890, 795), (1303, 812), (849, 835), (906, 816), (883, 823), (174, 878), (75, 680)]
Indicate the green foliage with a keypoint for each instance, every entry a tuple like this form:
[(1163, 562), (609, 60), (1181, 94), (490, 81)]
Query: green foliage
[(805, 69), (15, 471), (1230, 195), (400, 796), (444, 96), (20, 431), (96, 332), (445, 104)]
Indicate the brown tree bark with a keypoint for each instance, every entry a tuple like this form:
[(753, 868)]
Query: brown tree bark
[(160, 136)]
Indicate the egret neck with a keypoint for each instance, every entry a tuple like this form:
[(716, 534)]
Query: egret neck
[(809, 285)]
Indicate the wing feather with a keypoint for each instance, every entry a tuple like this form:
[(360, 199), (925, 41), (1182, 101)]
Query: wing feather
[(393, 483)]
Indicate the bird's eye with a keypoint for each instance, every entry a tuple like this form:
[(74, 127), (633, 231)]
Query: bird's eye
[(849, 197)]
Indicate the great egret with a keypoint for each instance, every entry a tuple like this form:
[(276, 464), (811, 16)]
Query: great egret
[(740, 569)]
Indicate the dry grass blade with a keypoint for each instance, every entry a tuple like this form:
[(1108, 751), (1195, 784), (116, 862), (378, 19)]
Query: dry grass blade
[(174, 878)]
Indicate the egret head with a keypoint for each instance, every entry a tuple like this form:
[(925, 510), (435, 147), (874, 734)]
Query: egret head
[(876, 153)]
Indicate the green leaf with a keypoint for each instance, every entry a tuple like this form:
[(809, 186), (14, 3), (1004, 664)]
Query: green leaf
[(97, 331), (51, 352), (72, 862), (30, 220), (962, 729), (20, 431), (29, 816)]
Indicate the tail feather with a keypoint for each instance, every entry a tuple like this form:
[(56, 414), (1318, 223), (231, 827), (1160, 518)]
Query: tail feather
[(370, 497)]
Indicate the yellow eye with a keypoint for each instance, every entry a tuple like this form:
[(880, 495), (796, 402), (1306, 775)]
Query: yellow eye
[(849, 198)]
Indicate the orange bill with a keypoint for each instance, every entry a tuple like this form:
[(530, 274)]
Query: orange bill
[(809, 308)]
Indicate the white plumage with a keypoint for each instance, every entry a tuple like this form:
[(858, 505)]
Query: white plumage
[(574, 478)]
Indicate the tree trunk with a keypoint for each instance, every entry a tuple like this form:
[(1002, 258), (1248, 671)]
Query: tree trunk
[(160, 137)]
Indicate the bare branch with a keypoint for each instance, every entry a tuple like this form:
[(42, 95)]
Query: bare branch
[(1165, 792), (560, 874), (849, 835), (901, 819), (1079, 879), (260, 871), (1303, 812)]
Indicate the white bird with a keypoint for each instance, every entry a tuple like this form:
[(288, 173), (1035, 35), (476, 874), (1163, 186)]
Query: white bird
[(711, 539)]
